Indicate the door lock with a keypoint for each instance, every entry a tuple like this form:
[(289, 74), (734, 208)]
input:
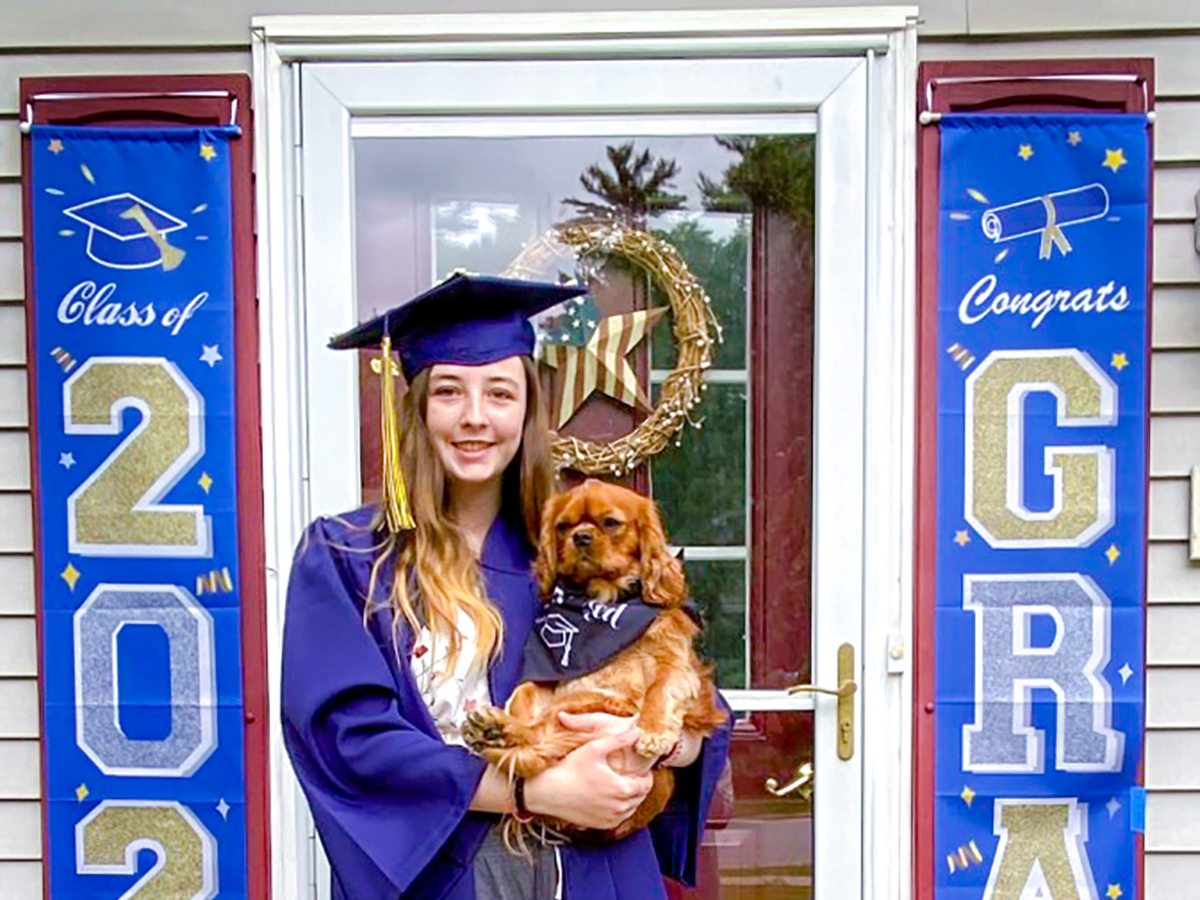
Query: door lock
[(845, 694)]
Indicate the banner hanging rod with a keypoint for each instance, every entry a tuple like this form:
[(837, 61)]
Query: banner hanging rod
[(27, 119), (929, 117)]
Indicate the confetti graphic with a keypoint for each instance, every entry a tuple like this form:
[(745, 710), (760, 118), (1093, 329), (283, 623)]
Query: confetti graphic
[(963, 857), (961, 355), (64, 359), (217, 581)]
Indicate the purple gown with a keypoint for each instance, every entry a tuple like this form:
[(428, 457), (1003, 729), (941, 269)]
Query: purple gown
[(390, 799)]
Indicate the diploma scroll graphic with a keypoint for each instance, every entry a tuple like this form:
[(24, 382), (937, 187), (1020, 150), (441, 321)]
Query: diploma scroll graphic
[(1046, 215)]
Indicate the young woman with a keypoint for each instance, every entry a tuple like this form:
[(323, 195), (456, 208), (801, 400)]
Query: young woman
[(396, 630)]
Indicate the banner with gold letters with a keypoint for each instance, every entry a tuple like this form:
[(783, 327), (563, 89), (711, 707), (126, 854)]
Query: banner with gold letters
[(1041, 505), (136, 487)]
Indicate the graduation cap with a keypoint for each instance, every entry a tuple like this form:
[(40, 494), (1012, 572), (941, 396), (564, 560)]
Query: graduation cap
[(126, 232), (468, 320)]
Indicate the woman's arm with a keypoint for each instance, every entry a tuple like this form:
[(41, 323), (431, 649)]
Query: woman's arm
[(385, 794), (582, 789), (494, 794)]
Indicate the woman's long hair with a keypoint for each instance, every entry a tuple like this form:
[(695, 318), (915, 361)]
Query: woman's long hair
[(436, 574)]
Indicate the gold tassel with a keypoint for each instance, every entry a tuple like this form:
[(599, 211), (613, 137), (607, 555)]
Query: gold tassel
[(396, 509)]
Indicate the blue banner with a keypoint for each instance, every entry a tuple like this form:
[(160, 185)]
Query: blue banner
[(136, 478), (1043, 341)]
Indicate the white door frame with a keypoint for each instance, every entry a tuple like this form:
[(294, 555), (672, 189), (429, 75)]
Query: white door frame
[(859, 84)]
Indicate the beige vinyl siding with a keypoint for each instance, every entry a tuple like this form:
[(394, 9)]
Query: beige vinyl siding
[(1173, 638), (172, 34), (20, 762), (73, 23), (1176, 325), (1017, 17), (20, 880)]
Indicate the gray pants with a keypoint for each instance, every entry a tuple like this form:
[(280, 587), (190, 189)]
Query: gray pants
[(500, 875)]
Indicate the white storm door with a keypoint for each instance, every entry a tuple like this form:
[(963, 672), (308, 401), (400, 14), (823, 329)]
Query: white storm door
[(562, 105)]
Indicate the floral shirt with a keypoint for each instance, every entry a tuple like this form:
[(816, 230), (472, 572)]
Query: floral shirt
[(450, 696)]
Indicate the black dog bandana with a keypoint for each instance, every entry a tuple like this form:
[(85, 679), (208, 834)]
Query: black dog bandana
[(574, 634)]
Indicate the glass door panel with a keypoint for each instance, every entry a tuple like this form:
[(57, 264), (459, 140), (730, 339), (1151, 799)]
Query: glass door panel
[(740, 211)]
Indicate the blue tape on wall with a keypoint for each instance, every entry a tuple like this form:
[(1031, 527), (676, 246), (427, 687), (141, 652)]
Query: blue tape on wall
[(1041, 512), (135, 461)]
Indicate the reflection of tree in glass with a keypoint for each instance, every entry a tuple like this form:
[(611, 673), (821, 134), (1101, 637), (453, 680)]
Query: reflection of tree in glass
[(775, 172), (477, 236), (719, 589), (633, 191), (701, 484), (718, 258)]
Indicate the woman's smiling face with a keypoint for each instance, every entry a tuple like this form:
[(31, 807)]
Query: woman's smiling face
[(476, 416)]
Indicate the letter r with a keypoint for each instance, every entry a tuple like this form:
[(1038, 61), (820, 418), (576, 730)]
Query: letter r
[(1002, 738)]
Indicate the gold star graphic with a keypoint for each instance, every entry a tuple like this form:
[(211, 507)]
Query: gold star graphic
[(55, 146), (205, 481), (1114, 159), (962, 538), (208, 152), (1114, 891), (1025, 152), (1112, 553), (82, 792), (1119, 361), (1074, 138), (70, 575), (967, 795)]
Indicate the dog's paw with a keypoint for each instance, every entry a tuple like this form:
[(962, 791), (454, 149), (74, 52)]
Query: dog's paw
[(485, 729), (653, 744)]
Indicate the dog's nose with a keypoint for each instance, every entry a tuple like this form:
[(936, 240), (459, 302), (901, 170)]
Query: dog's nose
[(582, 539)]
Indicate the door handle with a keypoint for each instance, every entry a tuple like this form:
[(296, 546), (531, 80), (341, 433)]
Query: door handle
[(802, 783), (845, 694)]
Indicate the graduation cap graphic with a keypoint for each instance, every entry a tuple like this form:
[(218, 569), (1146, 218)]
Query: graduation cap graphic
[(557, 633), (126, 232)]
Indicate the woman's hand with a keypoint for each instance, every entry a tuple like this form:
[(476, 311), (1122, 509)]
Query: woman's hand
[(585, 790), (627, 761)]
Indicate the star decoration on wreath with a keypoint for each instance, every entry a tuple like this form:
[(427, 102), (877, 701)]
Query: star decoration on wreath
[(589, 354)]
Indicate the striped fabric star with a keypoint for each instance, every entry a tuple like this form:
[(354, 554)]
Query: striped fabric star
[(599, 363)]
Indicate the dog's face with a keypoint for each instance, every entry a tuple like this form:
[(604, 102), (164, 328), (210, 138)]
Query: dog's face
[(606, 538)]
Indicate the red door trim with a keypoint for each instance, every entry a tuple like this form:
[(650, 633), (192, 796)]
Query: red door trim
[(1019, 86), (167, 107)]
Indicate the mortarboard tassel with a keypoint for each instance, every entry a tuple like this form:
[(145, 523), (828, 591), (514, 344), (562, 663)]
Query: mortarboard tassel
[(396, 509)]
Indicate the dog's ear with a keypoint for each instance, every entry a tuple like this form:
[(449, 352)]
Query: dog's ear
[(662, 575), (546, 567)]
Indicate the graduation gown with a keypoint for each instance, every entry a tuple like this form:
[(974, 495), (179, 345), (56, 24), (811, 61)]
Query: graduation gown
[(389, 798)]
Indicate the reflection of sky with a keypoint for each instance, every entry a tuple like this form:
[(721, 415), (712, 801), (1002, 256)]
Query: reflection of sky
[(721, 225), (507, 190), (479, 220)]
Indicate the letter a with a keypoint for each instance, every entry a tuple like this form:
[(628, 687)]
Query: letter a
[(1041, 853)]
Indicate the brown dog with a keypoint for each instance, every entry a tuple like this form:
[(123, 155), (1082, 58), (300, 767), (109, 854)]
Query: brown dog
[(600, 547)]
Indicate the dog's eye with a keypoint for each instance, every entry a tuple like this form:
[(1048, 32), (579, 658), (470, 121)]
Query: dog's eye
[(562, 527), (610, 522)]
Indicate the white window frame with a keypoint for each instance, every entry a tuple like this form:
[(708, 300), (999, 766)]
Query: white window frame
[(865, 342)]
